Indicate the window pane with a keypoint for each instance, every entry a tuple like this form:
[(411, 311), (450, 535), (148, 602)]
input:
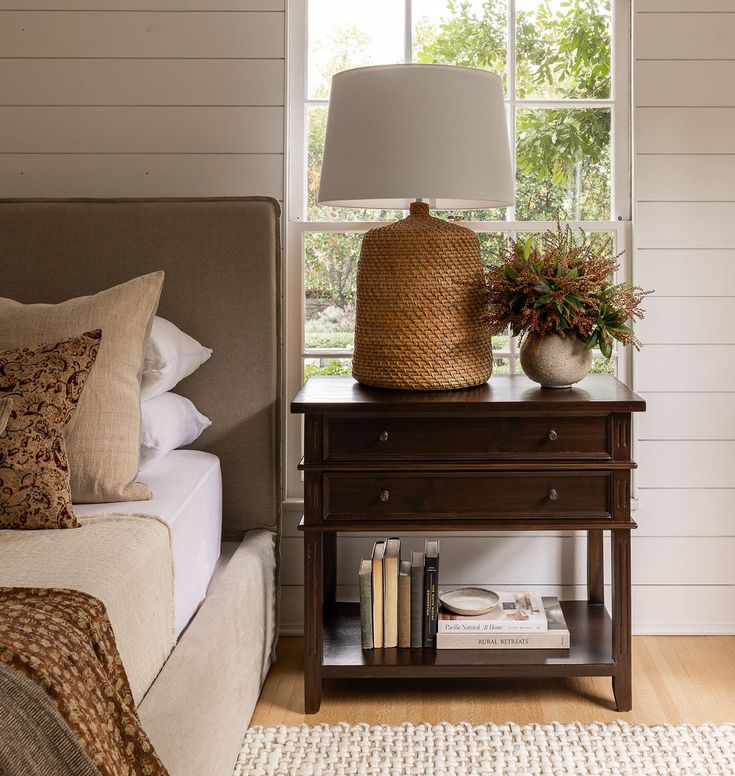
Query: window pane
[(486, 214), (316, 128), (563, 49), (501, 343), (345, 34), (501, 366), (563, 164), (326, 366), (471, 33), (330, 270), (491, 244), (603, 366)]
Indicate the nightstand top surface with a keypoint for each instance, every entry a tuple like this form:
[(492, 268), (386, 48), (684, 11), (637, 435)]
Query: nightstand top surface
[(602, 393)]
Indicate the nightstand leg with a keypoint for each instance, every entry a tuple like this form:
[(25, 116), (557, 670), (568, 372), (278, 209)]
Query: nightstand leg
[(621, 617), (313, 623), (330, 568), (595, 569)]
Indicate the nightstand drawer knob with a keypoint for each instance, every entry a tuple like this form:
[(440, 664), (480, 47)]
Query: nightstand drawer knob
[(383, 436), (384, 495), (553, 495), (553, 436)]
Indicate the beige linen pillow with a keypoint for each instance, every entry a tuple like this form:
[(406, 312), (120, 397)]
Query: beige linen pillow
[(6, 405), (103, 437)]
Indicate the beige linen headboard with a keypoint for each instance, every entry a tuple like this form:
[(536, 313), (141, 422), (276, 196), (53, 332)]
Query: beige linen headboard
[(222, 263)]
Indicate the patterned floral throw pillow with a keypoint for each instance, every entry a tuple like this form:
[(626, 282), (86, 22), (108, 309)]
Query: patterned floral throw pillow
[(44, 383), (6, 405)]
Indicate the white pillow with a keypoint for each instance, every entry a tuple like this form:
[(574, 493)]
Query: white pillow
[(169, 421), (171, 355)]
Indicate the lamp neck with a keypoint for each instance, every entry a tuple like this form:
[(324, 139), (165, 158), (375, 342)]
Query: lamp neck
[(420, 209)]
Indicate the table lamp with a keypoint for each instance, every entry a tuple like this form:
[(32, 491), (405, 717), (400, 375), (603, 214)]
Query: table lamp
[(418, 136)]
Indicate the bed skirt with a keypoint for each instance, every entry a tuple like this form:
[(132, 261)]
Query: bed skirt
[(199, 707)]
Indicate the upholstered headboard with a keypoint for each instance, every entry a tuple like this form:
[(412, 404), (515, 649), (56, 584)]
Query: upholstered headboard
[(222, 263)]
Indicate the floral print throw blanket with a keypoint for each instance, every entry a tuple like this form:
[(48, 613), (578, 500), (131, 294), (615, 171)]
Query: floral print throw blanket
[(63, 641)]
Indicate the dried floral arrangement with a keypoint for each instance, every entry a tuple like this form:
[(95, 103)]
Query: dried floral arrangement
[(564, 285)]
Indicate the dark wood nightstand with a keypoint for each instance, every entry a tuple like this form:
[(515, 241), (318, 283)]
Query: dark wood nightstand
[(506, 456)]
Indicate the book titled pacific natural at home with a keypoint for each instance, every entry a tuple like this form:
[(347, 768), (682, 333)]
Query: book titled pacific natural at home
[(519, 612), (554, 636)]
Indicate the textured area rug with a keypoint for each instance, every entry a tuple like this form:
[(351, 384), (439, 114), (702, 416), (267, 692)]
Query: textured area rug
[(616, 749)]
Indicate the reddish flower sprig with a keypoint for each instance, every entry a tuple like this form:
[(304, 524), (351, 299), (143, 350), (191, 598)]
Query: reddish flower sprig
[(564, 286)]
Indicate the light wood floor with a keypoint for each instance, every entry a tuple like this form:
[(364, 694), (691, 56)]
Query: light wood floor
[(675, 679)]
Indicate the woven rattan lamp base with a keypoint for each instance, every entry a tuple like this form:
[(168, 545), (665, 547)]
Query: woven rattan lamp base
[(421, 321)]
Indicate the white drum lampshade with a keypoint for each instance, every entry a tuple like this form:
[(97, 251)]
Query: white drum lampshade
[(418, 136)]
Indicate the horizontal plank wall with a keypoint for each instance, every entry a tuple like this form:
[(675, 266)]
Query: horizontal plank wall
[(684, 197), (131, 98)]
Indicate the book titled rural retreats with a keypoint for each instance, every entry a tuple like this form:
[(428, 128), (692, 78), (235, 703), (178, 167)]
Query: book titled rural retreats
[(555, 636)]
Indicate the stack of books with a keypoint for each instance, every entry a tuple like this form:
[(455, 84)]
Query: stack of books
[(399, 601), (521, 621)]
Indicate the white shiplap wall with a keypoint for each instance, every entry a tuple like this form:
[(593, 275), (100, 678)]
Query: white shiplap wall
[(142, 97), (684, 217)]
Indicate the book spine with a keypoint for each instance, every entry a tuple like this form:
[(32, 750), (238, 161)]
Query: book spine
[(417, 606), (390, 603), (486, 626), (378, 612), (431, 604), (366, 610), (404, 611), (548, 640)]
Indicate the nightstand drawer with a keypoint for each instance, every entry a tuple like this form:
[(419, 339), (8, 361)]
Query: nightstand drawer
[(473, 495), (416, 437)]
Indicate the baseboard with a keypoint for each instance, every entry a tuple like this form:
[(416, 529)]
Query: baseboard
[(291, 630), (682, 629)]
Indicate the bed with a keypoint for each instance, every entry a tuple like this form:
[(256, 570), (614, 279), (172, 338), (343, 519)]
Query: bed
[(221, 258)]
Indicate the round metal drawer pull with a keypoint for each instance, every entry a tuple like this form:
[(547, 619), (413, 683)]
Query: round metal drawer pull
[(383, 436), (384, 495), (553, 436), (553, 495)]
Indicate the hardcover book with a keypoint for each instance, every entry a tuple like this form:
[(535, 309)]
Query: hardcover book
[(431, 601), (556, 636), (404, 604), (365, 576), (377, 567), (417, 599), (391, 565), (516, 613)]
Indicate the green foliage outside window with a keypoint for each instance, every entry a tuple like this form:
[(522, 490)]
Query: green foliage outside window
[(562, 153)]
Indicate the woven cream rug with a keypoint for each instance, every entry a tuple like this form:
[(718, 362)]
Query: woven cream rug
[(556, 749)]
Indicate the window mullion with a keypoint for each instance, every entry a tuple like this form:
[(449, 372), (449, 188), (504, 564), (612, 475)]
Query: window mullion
[(408, 31), (511, 73)]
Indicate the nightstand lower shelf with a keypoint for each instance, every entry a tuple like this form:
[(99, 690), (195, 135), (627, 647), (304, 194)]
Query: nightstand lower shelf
[(590, 653)]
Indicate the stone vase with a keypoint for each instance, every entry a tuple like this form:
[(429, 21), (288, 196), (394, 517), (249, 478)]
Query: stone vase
[(555, 361)]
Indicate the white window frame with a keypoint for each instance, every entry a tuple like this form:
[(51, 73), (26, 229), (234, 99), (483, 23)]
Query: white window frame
[(295, 205)]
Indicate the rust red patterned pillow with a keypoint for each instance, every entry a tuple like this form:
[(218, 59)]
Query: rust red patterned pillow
[(44, 383)]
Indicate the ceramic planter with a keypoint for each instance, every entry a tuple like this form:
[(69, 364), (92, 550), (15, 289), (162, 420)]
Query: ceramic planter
[(555, 361)]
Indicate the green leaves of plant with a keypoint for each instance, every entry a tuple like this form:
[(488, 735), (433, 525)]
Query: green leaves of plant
[(564, 285)]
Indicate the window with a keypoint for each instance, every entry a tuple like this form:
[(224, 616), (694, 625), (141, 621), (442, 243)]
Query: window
[(565, 70)]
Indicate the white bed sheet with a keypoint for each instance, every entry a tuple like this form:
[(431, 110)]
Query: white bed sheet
[(187, 494)]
